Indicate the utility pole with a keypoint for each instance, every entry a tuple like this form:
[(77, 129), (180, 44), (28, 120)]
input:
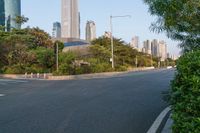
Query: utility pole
[(112, 45), (136, 61), (112, 42), (57, 56)]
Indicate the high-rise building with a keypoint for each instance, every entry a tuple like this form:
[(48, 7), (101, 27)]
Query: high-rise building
[(90, 31), (147, 47), (154, 48), (70, 19), (107, 34), (56, 30), (159, 49), (162, 50), (135, 42), (9, 10)]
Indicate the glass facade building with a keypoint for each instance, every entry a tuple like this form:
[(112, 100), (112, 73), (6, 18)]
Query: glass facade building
[(9, 9), (56, 30)]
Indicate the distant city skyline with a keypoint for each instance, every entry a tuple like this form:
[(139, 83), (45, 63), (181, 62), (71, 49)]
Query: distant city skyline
[(123, 28), (156, 48)]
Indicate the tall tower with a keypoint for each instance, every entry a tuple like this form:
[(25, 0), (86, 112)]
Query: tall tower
[(56, 30), (162, 50), (90, 31), (9, 10), (154, 48), (147, 47), (135, 42), (2, 13), (70, 19)]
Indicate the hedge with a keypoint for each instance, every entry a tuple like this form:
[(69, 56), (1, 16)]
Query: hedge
[(185, 94)]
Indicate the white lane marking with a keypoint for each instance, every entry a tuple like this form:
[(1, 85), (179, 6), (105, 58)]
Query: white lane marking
[(2, 95), (159, 120)]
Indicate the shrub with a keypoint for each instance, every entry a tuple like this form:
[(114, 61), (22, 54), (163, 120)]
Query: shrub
[(15, 69), (185, 97), (121, 68)]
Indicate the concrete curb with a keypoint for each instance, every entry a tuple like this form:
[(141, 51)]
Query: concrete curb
[(74, 77), (158, 122), (168, 126)]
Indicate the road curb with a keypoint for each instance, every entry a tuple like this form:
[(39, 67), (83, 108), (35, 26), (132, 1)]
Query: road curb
[(158, 122), (75, 77), (168, 125)]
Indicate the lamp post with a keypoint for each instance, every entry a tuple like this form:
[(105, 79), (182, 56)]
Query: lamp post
[(111, 32), (57, 56)]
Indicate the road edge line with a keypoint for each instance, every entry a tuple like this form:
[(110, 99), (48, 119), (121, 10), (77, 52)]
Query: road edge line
[(155, 126)]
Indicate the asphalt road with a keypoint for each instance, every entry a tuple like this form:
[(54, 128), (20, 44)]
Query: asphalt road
[(126, 104)]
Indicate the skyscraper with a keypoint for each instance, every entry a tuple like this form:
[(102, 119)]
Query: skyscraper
[(56, 30), (9, 10), (90, 31), (162, 50), (135, 42), (70, 19), (154, 48), (147, 47)]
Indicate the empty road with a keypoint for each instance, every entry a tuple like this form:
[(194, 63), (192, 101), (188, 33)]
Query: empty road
[(125, 104)]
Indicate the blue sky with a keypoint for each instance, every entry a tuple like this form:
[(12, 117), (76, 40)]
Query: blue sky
[(43, 13)]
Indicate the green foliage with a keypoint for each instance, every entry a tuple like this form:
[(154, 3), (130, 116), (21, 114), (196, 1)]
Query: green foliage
[(185, 95), (16, 69), (97, 67), (21, 19), (66, 66), (26, 50), (44, 57), (179, 19), (100, 52), (124, 55), (40, 38), (60, 46)]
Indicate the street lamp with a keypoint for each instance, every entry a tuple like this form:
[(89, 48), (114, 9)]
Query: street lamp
[(111, 32), (57, 66)]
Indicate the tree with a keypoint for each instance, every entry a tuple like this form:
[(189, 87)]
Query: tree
[(60, 46), (66, 63), (179, 19), (40, 38), (21, 19), (124, 55), (45, 57), (100, 52)]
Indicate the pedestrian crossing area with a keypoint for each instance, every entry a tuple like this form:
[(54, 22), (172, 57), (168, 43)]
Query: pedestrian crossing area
[(11, 81)]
